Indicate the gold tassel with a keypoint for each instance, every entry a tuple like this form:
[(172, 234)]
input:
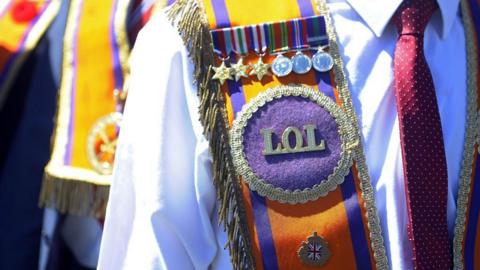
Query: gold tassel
[(189, 17), (74, 197)]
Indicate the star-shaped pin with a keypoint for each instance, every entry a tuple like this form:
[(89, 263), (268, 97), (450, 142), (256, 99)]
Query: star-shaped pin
[(260, 69), (240, 70), (222, 73)]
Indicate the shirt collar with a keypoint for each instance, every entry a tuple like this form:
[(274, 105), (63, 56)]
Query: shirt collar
[(377, 13)]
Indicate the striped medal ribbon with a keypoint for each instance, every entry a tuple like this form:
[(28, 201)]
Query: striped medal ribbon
[(276, 38)]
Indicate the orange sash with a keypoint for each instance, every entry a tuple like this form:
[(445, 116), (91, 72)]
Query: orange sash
[(340, 217), (22, 23), (95, 54), (275, 229)]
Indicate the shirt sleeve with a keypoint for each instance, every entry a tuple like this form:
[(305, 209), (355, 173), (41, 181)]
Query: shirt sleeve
[(162, 199)]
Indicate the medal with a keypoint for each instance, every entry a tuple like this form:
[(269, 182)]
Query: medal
[(239, 70), (322, 61), (222, 73), (281, 66), (274, 38), (260, 69), (301, 63)]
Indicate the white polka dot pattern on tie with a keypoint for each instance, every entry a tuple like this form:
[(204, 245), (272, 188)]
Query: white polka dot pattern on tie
[(421, 136)]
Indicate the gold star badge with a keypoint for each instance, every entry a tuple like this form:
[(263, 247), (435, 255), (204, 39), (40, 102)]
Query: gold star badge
[(222, 73), (240, 70), (260, 69)]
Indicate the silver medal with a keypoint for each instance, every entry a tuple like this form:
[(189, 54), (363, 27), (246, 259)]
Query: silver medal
[(281, 66), (322, 61), (301, 63)]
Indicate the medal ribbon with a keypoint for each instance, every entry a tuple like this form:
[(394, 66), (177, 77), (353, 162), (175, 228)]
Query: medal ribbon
[(259, 38), (282, 36), (315, 33)]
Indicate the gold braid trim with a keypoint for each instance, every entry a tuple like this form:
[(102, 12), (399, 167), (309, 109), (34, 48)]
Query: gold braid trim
[(471, 132), (189, 18), (373, 223)]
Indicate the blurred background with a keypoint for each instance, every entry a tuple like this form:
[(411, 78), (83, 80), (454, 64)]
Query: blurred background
[(63, 84)]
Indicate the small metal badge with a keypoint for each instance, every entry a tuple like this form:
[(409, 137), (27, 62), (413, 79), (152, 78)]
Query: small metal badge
[(102, 143), (322, 61), (314, 251), (239, 70), (282, 66), (222, 73), (260, 69), (301, 63), (286, 148)]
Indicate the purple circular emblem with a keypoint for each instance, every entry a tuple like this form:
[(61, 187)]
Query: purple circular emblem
[(298, 170), (292, 144)]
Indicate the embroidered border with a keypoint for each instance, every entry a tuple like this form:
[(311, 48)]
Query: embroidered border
[(358, 154), (63, 113), (275, 193), (471, 133)]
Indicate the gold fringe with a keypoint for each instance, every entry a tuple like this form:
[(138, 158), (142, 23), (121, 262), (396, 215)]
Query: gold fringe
[(189, 17), (74, 197)]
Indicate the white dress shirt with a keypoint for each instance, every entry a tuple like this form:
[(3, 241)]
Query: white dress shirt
[(3, 6), (162, 209)]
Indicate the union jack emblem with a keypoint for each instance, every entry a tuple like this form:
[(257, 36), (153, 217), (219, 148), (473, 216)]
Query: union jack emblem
[(314, 251)]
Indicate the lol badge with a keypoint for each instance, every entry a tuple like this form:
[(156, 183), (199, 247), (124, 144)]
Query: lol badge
[(291, 144)]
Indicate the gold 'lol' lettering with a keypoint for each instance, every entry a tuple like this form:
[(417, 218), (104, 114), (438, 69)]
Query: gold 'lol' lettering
[(285, 147)]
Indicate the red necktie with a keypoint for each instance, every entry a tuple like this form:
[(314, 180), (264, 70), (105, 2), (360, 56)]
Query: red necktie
[(423, 152)]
